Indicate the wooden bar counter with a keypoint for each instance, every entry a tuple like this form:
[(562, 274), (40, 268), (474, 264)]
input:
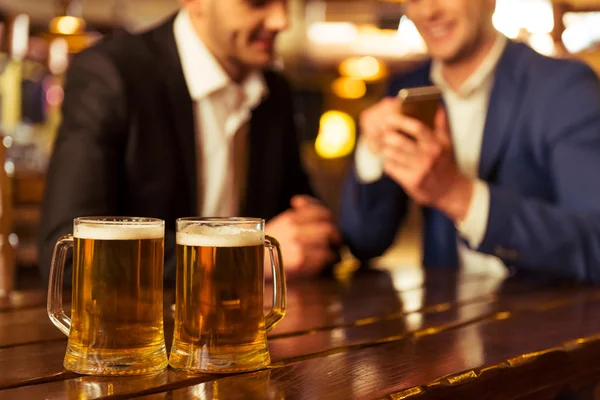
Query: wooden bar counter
[(401, 334)]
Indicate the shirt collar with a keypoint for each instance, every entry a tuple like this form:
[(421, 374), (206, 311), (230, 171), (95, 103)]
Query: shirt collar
[(203, 73), (478, 78), (255, 89)]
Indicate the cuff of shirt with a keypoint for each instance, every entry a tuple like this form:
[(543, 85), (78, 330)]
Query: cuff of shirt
[(369, 166), (473, 227)]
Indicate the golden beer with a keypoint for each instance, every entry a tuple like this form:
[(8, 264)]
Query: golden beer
[(219, 320), (117, 302)]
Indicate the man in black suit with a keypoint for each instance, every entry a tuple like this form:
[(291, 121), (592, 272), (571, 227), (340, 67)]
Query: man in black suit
[(182, 120)]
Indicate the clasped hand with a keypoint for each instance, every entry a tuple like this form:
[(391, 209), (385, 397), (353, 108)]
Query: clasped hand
[(308, 237)]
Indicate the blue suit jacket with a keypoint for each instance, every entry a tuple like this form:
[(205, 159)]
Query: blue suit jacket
[(541, 158)]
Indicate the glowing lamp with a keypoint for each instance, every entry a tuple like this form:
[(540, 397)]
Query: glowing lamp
[(337, 135)]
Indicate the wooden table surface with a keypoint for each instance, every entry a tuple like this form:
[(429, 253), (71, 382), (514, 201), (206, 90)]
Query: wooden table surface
[(376, 335)]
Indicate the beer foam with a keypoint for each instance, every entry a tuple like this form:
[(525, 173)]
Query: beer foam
[(118, 232), (219, 236)]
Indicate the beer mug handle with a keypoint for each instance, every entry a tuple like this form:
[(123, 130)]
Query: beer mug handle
[(279, 290), (55, 291)]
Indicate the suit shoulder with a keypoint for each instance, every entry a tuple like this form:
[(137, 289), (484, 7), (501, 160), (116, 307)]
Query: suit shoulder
[(551, 71), (122, 48), (95, 67), (562, 95), (107, 56), (569, 87), (128, 50)]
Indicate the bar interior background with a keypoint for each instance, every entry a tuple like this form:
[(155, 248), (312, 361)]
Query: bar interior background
[(337, 54)]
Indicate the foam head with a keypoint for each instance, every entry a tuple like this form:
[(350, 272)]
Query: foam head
[(219, 236), (115, 231)]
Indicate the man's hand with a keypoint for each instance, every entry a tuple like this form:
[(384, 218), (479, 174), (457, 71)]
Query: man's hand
[(372, 123), (307, 236), (422, 162)]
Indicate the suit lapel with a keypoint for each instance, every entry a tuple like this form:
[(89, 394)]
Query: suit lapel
[(180, 105), (501, 111)]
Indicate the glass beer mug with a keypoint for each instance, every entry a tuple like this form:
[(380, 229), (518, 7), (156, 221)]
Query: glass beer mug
[(220, 325), (116, 323)]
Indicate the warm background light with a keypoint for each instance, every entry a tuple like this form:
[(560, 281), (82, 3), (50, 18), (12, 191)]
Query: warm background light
[(366, 68), (337, 135), (582, 30), (410, 37), (58, 56), (533, 16), (67, 25), (20, 37), (542, 43), (349, 88), (12, 76), (332, 32)]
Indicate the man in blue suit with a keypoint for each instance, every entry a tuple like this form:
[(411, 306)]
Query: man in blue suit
[(509, 176)]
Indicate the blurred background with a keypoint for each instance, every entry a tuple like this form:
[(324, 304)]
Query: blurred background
[(337, 54)]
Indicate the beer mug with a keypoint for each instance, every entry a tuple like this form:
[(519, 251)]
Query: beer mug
[(116, 323), (220, 325)]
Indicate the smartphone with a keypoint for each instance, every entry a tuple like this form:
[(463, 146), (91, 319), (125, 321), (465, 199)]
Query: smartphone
[(420, 103)]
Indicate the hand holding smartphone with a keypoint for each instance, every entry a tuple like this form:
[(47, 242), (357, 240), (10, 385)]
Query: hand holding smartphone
[(420, 103)]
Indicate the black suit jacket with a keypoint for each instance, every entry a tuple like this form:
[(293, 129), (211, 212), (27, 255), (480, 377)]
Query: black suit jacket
[(126, 145)]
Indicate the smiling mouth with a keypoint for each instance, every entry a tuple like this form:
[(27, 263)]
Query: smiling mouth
[(264, 44), (263, 39), (439, 31)]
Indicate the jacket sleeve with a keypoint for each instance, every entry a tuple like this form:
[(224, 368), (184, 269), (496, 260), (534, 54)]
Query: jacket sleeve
[(87, 161), (370, 215), (561, 237)]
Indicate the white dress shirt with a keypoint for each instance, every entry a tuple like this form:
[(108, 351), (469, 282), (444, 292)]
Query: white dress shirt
[(222, 111), (467, 110)]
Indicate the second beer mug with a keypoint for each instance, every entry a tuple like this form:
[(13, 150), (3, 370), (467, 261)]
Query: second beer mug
[(116, 324), (219, 321)]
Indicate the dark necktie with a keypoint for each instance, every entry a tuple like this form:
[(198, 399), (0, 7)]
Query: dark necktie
[(439, 247)]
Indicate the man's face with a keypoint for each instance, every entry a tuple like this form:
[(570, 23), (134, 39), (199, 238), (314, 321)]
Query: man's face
[(240, 31), (451, 29)]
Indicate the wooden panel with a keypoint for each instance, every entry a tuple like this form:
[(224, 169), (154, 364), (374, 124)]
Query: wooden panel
[(283, 350), (7, 254), (329, 304), (571, 372), (381, 353), (40, 362), (87, 387), (374, 336), (28, 188), (401, 367), (312, 305), (23, 299), (27, 326), (373, 295)]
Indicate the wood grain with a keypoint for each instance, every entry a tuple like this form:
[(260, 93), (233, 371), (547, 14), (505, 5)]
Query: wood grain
[(323, 304), (283, 350), (23, 299), (401, 367), (378, 335)]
